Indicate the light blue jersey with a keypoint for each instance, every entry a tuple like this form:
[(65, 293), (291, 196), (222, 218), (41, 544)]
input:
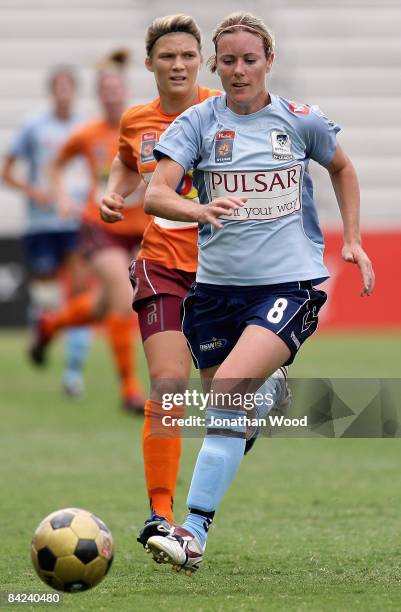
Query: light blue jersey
[(264, 156), (38, 142)]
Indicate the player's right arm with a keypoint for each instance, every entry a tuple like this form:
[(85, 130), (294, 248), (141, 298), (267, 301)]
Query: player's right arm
[(10, 178), (74, 146), (124, 177), (123, 180), (176, 152), (161, 198), (22, 148)]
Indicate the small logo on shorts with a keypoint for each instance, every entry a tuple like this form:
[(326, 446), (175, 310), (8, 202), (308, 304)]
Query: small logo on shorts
[(152, 313), (148, 143), (295, 340), (224, 146), (211, 345), (310, 318), (281, 146)]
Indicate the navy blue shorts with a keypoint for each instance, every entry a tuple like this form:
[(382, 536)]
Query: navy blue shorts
[(45, 252), (214, 316)]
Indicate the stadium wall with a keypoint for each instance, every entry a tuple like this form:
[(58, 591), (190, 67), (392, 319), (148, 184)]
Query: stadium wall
[(345, 57), (345, 308)]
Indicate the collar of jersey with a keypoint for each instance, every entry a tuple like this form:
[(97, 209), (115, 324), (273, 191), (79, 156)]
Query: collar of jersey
[(158, 106), (260, 113)]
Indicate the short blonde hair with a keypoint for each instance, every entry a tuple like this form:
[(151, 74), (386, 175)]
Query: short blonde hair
[(242, 22), (114, 63), (171, 24), (115, 60)]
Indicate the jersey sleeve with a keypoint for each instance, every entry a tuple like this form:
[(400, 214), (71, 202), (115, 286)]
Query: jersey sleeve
[(125, 149), (320, 136), (181, 142), (21, 145)]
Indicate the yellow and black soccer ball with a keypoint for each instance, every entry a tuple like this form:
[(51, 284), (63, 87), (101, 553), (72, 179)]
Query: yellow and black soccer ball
[(72, 550)]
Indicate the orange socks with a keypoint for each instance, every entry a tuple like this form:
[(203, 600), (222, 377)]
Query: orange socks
[(122, 333), (122, 330), (161, 453), (77, 311)]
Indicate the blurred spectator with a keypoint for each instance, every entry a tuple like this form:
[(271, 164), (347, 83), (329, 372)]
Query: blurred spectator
[(108, 249), (50, 239)]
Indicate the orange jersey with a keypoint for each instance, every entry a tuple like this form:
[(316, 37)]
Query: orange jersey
[(170, 243), (97, 142)]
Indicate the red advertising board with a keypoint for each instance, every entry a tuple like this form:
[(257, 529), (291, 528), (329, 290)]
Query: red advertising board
[(345, 308)]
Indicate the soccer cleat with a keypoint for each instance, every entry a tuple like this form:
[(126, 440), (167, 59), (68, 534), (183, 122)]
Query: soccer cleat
[(281, 405), (179, 548), (284, 400), (41, 340), (133, 403), (155, 525), (73, 384)]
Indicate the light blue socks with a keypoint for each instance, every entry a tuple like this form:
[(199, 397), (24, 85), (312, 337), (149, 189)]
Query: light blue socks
[(218, 461), (77, 342)]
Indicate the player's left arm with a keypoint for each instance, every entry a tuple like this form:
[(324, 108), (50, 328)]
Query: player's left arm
[(346, 188), (66, 206)]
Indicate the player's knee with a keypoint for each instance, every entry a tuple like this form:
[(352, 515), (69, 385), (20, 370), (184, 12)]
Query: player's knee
[(100, 307), (118, 299), (167, 380)]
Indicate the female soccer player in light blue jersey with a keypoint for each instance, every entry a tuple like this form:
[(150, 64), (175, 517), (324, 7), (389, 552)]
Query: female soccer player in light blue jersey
[(260, 247), (50, 240)]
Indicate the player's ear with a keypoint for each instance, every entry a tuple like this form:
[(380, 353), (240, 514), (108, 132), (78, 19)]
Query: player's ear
[(269, 63), (149, 64)]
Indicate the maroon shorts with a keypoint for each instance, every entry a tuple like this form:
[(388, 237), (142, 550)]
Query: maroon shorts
[(158, 296), (94, 237)]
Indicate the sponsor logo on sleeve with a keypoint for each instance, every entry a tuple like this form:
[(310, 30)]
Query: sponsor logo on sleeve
[(299, 109), (281, 146), (148, 143), (224, 142)]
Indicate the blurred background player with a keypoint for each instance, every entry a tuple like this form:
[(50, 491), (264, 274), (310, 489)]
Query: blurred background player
[(50, 240), (166, 264), (107, 249)]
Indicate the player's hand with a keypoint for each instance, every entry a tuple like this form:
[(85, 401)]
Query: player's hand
[(42, 198), (111, 207), (209, 213), (67, 208), (354, 253)]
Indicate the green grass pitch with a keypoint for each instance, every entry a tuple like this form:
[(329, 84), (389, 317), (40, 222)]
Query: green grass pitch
[(309, 524)]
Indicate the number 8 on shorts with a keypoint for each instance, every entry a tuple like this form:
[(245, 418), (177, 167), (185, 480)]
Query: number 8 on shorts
[(276, 313)]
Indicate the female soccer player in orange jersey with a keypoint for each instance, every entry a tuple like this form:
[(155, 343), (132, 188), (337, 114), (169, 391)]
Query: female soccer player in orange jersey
[(165, 268), (107, 248)]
